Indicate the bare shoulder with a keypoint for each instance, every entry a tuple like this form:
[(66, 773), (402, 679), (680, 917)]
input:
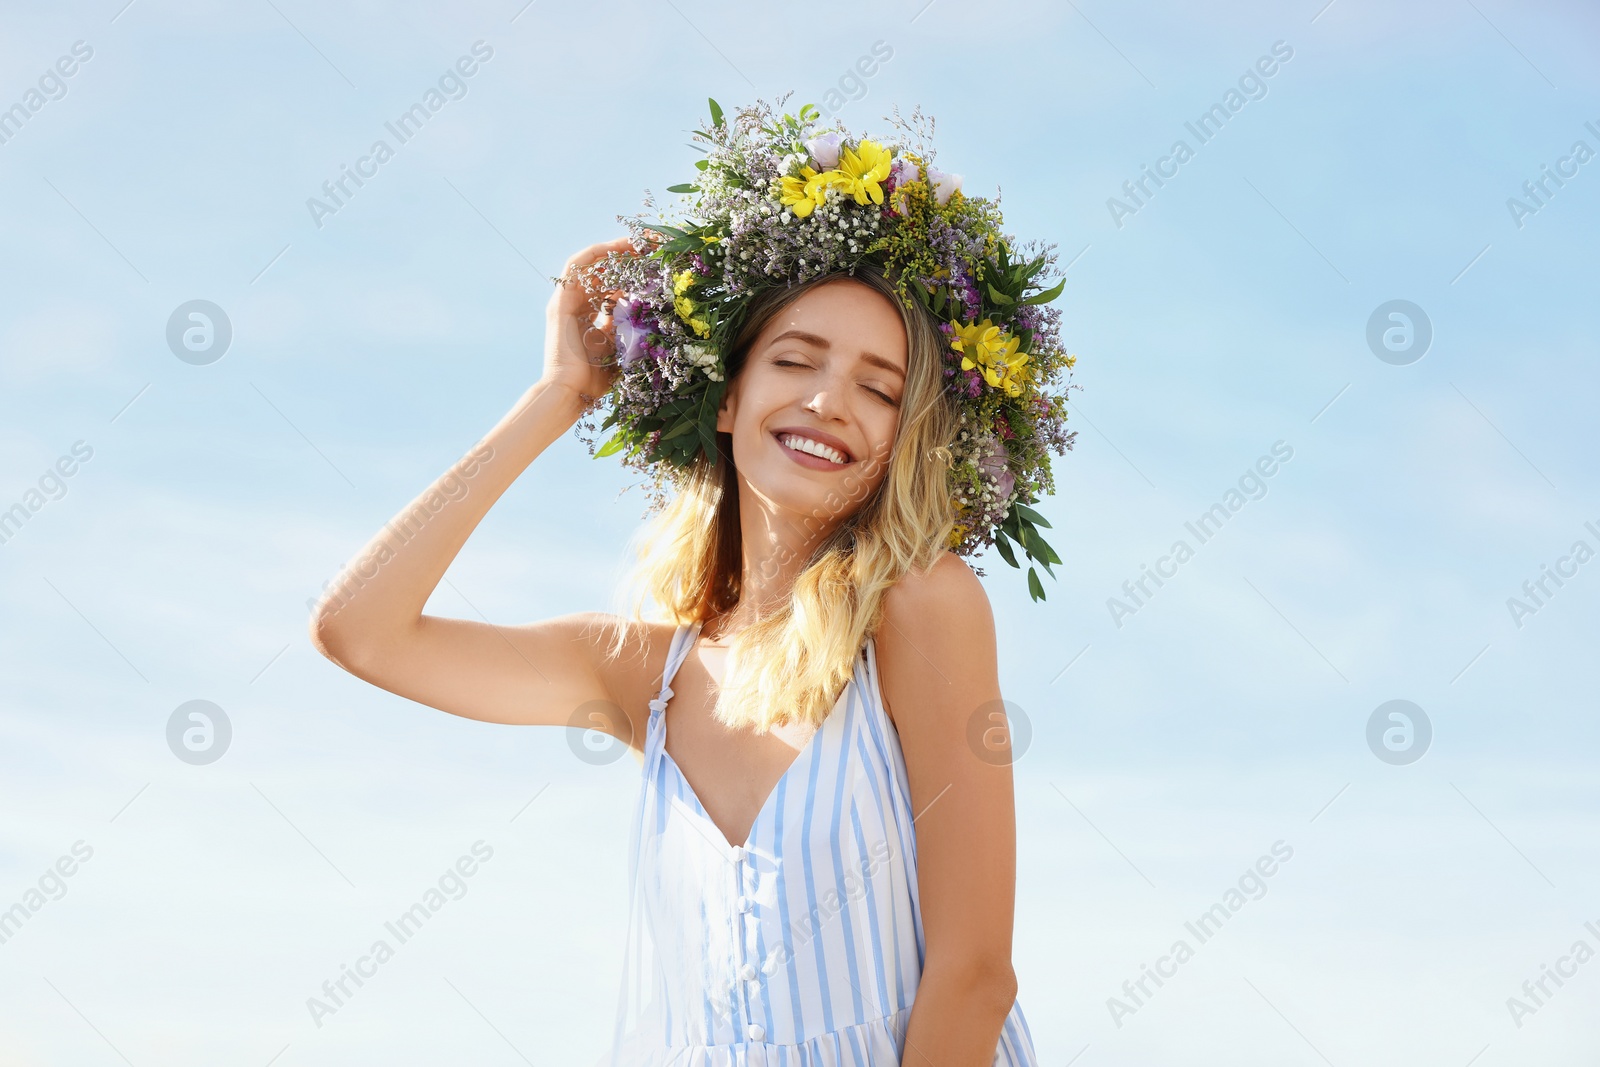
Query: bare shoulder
[(943, 605), (948, 585), (937, 629)]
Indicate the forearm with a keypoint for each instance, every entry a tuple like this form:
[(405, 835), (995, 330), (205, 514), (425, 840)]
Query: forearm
[(382, 591), (957, 1017)]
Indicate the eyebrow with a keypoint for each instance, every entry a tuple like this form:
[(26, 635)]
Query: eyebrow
[(822, 342)]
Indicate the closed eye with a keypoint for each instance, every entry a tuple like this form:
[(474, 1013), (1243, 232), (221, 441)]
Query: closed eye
[(875, 392)]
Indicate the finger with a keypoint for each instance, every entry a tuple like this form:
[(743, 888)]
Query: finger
[(580, 269), (595, 251), (600, 348)]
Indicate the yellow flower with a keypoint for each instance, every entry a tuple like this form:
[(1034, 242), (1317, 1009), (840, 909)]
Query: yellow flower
[(686, 307), (987, 347), (859, 173), (803, 194), (908, 184), (861, 169)]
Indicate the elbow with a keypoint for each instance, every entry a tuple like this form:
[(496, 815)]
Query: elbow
[(329, 638), (997, 986), (983, 984), (324, 638)]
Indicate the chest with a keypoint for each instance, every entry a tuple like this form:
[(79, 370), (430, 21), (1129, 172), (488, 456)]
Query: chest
[(732, 771)]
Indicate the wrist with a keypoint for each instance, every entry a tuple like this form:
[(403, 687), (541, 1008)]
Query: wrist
[(566, 394)]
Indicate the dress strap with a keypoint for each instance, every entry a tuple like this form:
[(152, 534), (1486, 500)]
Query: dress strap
[(683, 639)]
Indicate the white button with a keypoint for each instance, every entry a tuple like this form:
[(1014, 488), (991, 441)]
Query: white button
[(748, 972), (755, 1032), (744, 903), (738, 853)]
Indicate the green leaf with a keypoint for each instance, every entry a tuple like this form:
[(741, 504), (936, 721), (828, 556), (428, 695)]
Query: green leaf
[(685, 188), (701, 164), (1035, 589), (1052, 552), (997, 296), (1043, 552), (809, 113), (716, 112), (1030, 538), (612, 446), (683, 427), (1003, 545), (1032, 516), (1046, 296), (1037, 548)]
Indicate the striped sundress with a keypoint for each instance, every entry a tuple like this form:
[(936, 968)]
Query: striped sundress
[(801, 947)]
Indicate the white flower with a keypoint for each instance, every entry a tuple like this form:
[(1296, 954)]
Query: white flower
[(701, 356), (824, 148), (943, 184)]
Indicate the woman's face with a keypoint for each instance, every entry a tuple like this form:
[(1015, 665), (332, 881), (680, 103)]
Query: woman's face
[(831, 369)]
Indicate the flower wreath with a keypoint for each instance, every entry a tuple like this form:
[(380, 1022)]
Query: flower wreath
[(779, 201)]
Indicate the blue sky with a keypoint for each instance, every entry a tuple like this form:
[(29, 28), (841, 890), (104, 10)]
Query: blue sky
[(1228, 313)]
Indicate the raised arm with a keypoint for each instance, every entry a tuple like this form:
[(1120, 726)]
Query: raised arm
[(370, 620)]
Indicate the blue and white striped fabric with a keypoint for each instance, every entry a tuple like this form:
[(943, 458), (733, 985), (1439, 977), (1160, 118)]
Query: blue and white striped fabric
[(803, 946)]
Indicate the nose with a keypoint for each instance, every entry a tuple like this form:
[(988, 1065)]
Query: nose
[(822, 403)]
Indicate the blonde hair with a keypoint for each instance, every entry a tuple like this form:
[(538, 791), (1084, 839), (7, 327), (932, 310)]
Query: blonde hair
[(791, 665)]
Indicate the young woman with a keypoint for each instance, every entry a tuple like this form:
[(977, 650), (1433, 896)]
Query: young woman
[(823, 854)]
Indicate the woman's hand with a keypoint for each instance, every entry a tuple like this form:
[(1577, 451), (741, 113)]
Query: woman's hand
[(580, 347), (371, 621)]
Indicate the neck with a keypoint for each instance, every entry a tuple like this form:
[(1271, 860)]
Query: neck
[(776, 546)]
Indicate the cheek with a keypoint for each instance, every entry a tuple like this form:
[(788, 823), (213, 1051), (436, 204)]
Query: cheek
[(876, 465), (882, 430)]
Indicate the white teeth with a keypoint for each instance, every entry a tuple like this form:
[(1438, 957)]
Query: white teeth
[(816, 448)]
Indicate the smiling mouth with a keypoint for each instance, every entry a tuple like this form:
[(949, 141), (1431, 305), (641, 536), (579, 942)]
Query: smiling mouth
[(825, 456)]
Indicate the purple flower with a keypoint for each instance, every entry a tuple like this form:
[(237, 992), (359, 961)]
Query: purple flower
[(629, 334), (993, 464)]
